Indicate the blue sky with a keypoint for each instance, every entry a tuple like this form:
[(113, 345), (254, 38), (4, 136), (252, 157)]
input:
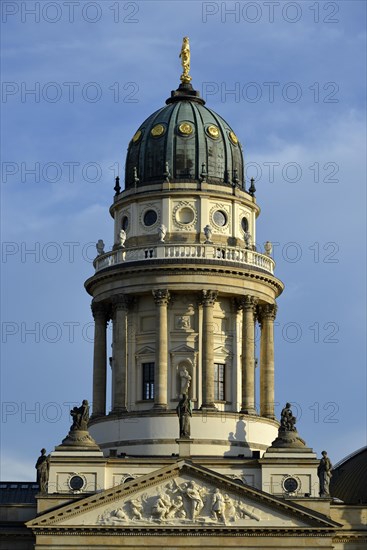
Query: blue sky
[(290, 79)]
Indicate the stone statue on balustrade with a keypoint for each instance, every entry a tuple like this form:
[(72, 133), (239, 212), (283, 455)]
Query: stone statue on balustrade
[(100, 247), (162, 232), (208, 231)]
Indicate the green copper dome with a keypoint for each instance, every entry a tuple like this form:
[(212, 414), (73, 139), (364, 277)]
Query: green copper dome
[(184, 141)]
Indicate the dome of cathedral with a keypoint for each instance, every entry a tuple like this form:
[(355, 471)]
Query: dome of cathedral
[(184, 141), (349, 479)]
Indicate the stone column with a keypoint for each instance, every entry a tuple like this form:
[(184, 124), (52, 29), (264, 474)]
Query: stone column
[(248, 306), (101, 316), (120, 306), (208, 300), (267, 313), (161, 298)]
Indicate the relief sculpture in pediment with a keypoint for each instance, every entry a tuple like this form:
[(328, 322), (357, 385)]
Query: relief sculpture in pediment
[(174, 503)]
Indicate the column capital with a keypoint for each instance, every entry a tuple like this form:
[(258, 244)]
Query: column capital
[(208, 297), (267, 311), (100, 310), (161, 296), (121, 302), (247, 302)]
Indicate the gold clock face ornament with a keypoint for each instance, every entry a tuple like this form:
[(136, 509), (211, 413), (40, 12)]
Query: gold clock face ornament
[(213, 131), (185, 128), (137, 136), (158, 130), (233, 138)]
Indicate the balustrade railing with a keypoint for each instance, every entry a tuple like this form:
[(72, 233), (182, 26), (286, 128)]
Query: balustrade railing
[(233, 254)]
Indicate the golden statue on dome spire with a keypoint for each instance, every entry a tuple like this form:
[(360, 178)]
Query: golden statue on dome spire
[(185, 61)]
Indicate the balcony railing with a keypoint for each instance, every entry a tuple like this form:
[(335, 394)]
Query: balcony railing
[(163, 251)]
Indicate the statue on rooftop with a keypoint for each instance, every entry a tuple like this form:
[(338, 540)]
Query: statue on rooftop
[(287, 420), (78, 434), (287, 433), (80, 416), (324, 474), (42, 467)]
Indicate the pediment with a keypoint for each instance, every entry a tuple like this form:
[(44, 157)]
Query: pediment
[(221, 350), (182, 349), (146, 350), (185, 496)]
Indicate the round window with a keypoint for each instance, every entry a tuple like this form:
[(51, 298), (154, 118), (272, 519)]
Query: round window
[(150, 217), (244, 223), (125, 223), (128, 479), (220, 218), (185, 215), (76, 483), (290, 485)]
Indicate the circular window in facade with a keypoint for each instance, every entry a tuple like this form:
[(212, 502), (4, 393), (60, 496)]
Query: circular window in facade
[(158, 130), (185, 215), (76, 483), (244, 223), (220, 218), (291, 485), (185, 129), (124, 223), (150, 218)]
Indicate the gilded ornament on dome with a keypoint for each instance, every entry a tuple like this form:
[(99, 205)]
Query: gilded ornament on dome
[(137, 136), (158, 130), (233, 138), (185, 128), (185, 60), (213, 131)]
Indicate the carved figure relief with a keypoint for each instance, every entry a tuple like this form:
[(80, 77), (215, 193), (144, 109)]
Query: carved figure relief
[(181, 502), (183, 322)]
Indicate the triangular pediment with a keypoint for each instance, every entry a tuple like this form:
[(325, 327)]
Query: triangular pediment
[(222, 350), (182, 349), (146, 350), (185, 496)]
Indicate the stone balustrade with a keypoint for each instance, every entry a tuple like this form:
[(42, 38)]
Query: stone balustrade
[(233, 254)]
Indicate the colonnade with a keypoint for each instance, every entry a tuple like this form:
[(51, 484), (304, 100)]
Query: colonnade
[(117, 310)]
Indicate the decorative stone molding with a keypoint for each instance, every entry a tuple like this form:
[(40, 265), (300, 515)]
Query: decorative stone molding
[(221, 208), (176, 213), (100, 310), (151, 206), (121, 302), (209, 297), (247, 302), (161, 296), (266, 311)]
